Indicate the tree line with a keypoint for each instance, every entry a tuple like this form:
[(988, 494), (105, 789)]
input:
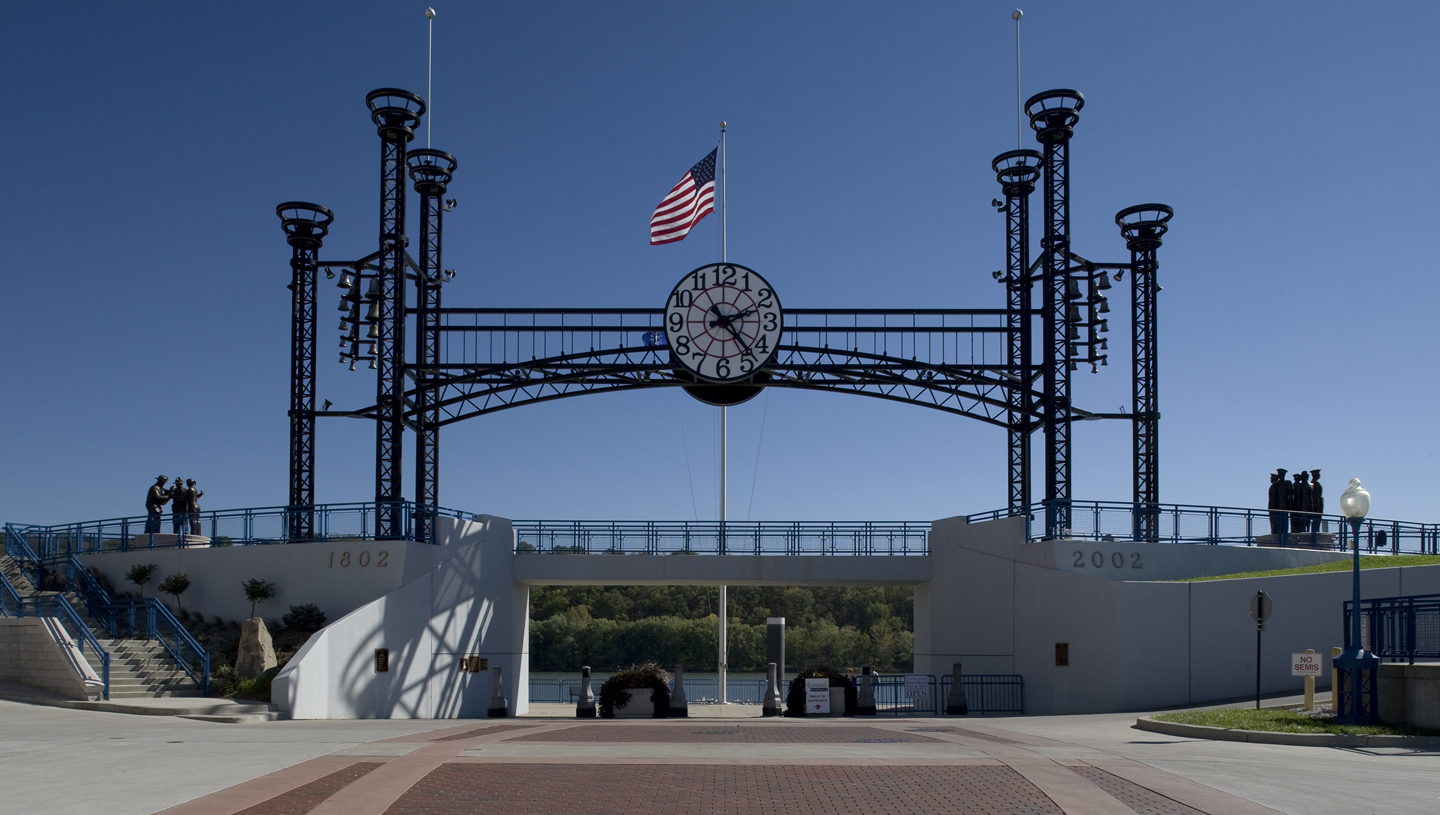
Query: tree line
[(608, 627)]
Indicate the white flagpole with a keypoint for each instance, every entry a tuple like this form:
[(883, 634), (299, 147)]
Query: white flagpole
[(1016, 17), (724, 595)]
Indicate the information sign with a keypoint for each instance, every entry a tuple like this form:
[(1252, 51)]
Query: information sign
[(917, 686), (817, 696), (1306, 664)]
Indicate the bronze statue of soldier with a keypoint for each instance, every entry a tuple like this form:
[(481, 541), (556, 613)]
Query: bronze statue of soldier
[(192, 505), (1317, 496), (1279, 503), (179, 510), (155, 500), (1300, 503)]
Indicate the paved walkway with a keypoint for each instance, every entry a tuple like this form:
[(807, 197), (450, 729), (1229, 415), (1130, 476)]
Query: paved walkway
[(59, 760)]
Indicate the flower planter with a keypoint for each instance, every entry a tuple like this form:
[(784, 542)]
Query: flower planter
[(640, 705)]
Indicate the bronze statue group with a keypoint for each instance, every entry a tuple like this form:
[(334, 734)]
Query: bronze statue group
[(1295, 506), (184, 501)]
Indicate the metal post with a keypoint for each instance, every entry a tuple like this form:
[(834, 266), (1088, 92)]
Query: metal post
[(1053, 115), (431, 170), (305, 228), (396, 114), (1142, 227), (1017, 171)]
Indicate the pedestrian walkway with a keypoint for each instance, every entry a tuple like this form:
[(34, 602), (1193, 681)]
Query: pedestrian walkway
[(79, 761)]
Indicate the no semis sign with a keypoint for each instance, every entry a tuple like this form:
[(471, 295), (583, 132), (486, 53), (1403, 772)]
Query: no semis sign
[(1307, 664)]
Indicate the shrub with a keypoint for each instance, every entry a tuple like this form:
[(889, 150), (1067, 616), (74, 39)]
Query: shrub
[(140, 574), (305, 617), (257, 591), (175, 585), (649, 675), (524, 546)]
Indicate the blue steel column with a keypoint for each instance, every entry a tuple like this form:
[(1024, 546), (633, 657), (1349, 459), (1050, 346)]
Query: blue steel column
[(1142, 227), (431, 171), (305, 228), (1017, 171), (396, 114), (1053, 114)]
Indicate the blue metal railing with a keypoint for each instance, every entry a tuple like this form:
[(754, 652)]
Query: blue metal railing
[(1232, 526), (1398, 627), (18, 549), (733, 538), (96, 599), (53, 605)]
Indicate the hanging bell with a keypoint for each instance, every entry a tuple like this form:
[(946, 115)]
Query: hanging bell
[(1074, 332), (344, 304), (374, 313), (372, 364), (346, 281), (374, 292), (1103, 281), (373, 352), (352, 364), (1072, 366), (374, 332), (1072, 289), (1104, 325), (344, 322), (1104, 306), (1074, 314), (343, 357)]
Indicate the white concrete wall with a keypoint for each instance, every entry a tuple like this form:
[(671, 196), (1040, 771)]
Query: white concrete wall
[(467, 603), (36, 651), (999, 605), (337, 576)]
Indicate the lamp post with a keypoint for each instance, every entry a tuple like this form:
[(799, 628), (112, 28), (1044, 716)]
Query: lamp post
[(1356, 700)]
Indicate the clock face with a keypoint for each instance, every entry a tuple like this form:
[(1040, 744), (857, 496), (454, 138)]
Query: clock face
[(723, 322)]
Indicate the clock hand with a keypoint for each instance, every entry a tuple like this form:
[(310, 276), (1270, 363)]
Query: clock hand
[(740, 340)]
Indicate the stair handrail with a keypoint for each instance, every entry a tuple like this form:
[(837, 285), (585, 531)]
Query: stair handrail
[(10, 604), (97, 600), (61, 610), (19, 551), (160, 616)]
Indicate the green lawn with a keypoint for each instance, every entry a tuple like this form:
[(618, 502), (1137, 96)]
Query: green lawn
[(1366, 562), (1283, 721)]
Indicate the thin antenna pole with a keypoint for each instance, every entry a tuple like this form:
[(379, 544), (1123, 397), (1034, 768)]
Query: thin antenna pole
[(724, 194), (429, 70), (1018, 115)]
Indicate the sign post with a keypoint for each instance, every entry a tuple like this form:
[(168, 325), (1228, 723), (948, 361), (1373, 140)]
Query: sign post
[(817, 697), (1307, 665), (1260, 608)]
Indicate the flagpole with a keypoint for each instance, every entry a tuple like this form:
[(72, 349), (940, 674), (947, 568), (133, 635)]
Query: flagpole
[(724, 594), (429, 66)]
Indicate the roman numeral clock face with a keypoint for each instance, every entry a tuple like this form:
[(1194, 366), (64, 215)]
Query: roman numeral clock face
[(723, 322)]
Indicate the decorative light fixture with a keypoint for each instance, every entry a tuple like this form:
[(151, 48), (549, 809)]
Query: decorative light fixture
[(1357, 698)]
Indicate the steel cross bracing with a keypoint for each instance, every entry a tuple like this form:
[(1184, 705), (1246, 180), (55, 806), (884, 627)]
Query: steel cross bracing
[(951, 360), (305, 227), (1016, 171), (431, 171)]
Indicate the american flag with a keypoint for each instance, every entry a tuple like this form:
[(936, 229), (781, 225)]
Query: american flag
[(692, 199)]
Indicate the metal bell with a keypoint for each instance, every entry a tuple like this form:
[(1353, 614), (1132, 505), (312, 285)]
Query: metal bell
[(372, 364), (374, 332), (374, 313), (346, 281)]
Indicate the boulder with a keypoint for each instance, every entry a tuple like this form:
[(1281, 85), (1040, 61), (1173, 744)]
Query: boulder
[(257, 651)]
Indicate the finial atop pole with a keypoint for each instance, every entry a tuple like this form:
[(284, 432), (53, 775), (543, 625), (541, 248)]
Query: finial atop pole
[(1016, 15)]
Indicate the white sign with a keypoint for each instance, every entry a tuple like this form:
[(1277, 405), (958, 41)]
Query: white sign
[(817, 696), (917, 687), (1307, 664)]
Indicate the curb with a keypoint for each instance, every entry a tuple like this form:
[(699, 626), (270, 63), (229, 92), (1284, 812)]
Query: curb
[(1200, 731)]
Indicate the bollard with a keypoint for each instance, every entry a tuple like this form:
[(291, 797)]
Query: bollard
[(771, 707), (678, 707), (499, 708), (585, 702), (1309, 687), (1335, 679), (956, 705), (865, 704)]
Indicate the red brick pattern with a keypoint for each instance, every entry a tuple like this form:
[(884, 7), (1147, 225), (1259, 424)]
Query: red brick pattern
[(485, 731), (699, 733), (305, 798), (558, 789), (975, 734), (1143, 801)]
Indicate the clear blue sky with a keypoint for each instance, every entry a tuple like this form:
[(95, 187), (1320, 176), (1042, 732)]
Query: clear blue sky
[(146, 316)]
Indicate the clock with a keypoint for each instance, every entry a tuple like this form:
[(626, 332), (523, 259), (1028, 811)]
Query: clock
[(723, 322)]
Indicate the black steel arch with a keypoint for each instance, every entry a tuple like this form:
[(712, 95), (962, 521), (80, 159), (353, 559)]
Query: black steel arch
[(977, 363)]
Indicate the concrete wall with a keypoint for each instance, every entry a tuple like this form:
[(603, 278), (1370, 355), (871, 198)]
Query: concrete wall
[(715, 570), (36, 651), (1410, 694), (337, 576), (999, 605), (467, 603)]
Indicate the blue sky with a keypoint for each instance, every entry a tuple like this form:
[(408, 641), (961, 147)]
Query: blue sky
[(146, 315)]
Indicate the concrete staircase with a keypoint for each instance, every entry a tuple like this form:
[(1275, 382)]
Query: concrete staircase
[(139, 668)]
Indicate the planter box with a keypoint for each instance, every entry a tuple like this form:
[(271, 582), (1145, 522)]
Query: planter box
[(639, 707), (837, 701)]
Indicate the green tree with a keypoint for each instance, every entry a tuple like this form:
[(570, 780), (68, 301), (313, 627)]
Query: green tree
[(175, 585), (140, 574), (257, 591)]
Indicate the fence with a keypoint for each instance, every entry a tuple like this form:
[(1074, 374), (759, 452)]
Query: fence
[(1234, 526), (714, 538), (55, 606), (1398, 627), (985, 693)]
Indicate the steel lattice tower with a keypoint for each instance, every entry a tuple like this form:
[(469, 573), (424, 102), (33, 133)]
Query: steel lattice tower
[(1142, 226), (1053, 115), (396, 114), (305, 228), (431, 171), (1017, 171)]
